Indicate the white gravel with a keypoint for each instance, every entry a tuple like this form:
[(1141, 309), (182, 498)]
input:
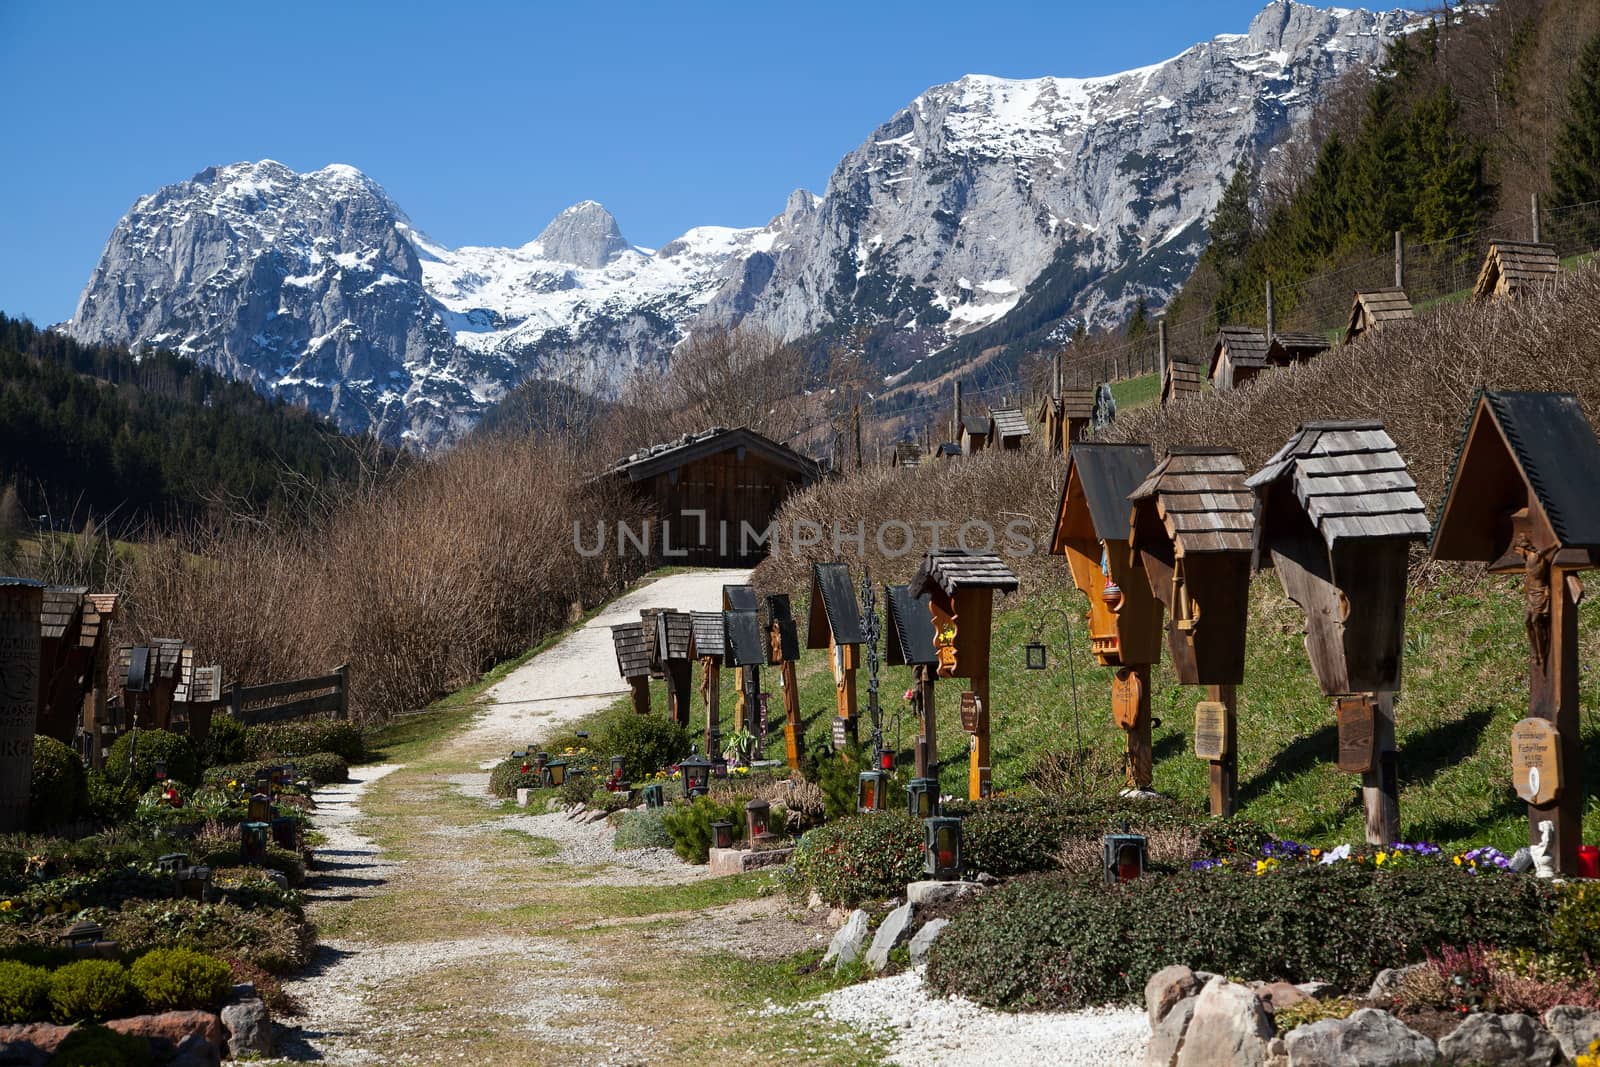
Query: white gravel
[(925, 1031)]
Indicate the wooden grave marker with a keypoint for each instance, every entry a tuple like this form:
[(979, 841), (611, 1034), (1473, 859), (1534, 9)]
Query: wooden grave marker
[(746, 678), (708, 645), (1092, 531), (911, 645), (674, 638), (1524, 497), (633, 662), (783, 651), (20, 602), (835, 624), (1336, 513), (1536, 761)]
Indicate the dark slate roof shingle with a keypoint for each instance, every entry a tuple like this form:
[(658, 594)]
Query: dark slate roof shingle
[(833, 607), (952, 569), (1108, 473), (910, 628)]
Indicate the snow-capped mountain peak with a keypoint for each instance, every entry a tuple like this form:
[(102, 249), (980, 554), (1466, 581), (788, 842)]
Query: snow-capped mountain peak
[(585, 235)]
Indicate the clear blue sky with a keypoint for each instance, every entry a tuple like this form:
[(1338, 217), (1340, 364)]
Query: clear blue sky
[(484, 119)]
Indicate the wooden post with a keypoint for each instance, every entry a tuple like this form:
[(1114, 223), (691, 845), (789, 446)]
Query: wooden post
[(1538, 230), (842, 658), (639, 687), (679, 682), (1161, 351), (1055, 376), (1131, 685), (855, 422), (1225, 771), (1399, 260), (791, 714), (1272, 314), (711, 693), (927, 750), (955, 424), (1380, 786), (1553, 695), (343, 671), (978, 754)]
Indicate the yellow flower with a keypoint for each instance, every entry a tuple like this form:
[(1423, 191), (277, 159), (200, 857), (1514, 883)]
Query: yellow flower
[(233, 783), (1381, 857), (1315, 853), (1457, 861), (6, 905), (1263, 866)]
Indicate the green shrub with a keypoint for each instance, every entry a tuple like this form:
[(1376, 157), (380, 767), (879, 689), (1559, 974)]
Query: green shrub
[(646, 743), (688, 823), (24, 992), (58, 792), (173, 979), (319, 768), (603, 799), (91, 989), (107, 801), (99, 1046), (857, 859), (508, 777), (575, 788), (226, 742), (837, 775), (276, 940), (147, 747), (1067, 941), (642, 829), (1575, 927), (277, 740)]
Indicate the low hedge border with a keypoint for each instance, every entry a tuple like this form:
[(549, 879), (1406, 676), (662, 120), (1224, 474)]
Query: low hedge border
[(319, 767)]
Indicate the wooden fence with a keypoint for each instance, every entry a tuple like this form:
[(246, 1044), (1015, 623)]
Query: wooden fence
[(255, 704)]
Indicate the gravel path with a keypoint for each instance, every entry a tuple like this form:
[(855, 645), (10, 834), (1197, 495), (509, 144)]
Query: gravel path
[(925, 1031)]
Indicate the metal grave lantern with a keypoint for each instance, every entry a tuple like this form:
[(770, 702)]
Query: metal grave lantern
[(870, 789), (708, 645), (1191, 528), (161, 770), (172, 862), (194, 883), (1336, 513), (783, 650), (1126, 854), (654, 795), (619, 770), (286, 832), (1093, 533), (82, 937), (554, 773), (960, 588), (1035, 656), (910, 644), (1524, 497), (835, 624), (540, 759), (253, 841), (941, 844), (696, 772), (746, 676), (922, 798), (633, 662), (757, 814), (721, 834), (674, 638)]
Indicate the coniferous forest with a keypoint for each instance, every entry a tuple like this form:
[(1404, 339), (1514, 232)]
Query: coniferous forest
[(96, 430)]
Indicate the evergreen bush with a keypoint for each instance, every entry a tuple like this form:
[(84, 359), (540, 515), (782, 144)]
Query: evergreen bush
[(688, 824), (146, 748), (646, 743), (311, 735), (91, 989), (172, 979), (107, 801), (58, 792), (226, 742), (99, 1046), (319, 768), (24, 992), (853, 860), (508, 777), (642, 829)]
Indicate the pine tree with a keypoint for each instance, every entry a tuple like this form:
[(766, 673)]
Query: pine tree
[(1452, 193), (1233, 226), (1139, 323), (1575, 168)]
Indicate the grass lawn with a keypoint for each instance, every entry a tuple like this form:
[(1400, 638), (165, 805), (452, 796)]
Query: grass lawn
[(1136, 392)]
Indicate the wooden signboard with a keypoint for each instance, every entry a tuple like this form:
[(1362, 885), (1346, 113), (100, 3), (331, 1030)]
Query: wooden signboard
[(839, 732), (1536, 761), (1358, 722), (1126, 689), (1211, 734), (969, 711)]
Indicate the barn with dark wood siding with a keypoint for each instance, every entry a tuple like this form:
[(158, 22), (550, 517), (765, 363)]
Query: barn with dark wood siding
[(736, 478)]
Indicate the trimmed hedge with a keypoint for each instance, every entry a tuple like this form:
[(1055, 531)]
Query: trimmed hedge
[(275, 740), (24, 992), (508, 777), (147, 747), (171, 979), (856, 859), (1067, 941), (646, 743), (58, 792), (319, 767), (91, 989)]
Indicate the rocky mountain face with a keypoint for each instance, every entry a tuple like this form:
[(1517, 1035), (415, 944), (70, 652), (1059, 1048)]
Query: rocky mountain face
[(318, 288)]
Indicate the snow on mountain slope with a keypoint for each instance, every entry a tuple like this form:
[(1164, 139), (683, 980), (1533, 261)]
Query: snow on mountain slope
[(318, 288)]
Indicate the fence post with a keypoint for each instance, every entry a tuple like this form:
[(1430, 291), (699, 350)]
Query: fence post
[(1161, 350), (1272, 318), (343, 671), (235, 704), (1399, 260), (1537, 230)]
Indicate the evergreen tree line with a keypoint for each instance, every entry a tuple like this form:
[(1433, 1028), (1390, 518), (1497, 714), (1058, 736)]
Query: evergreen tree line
[(96, 430)]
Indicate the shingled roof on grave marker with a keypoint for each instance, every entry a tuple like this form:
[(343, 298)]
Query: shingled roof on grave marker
[(781, 615), (1289, 347), (954, 568), (99, 611), (1010, 422), (1107, 473), (1201, 499), (1376, 309), (1553, 448), (709, 636), (910, 630), (1246, 347), (833, 607), (1184, 378), (207, 687), (674, 630), (633, 658), (745, 645), (906, 454), (61, 605), (1515, 267), (1078, 403), (1349, 479)]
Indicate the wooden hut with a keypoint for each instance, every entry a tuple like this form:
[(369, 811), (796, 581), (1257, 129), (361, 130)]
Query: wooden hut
[(1067, 417), (1288, 349), (708, 645), (1191, 525), (835, 624), (1092, 531), (1376, 309), (709, 489), (1184, 379), (1239, 355), (906, 454), (975, 431), (947, 450), (960, 588), (1336, 513), (1524, 497), (1008, 429), (783, 651), (910, 644), (1515, 267), (633, 662)]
